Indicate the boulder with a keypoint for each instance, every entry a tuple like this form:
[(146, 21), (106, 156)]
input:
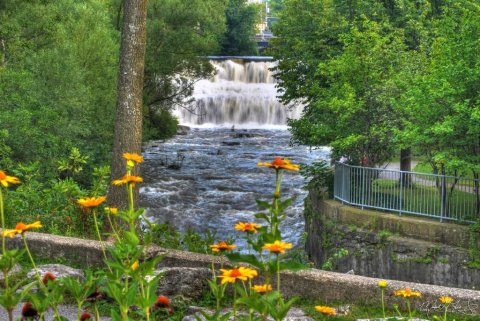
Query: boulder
[(182, 130), (58, 270), (186, 282), (294, 314)]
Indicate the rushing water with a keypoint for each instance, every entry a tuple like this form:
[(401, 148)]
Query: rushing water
[(218, 181)]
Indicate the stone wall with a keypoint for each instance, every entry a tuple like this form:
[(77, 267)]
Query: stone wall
[(316, 285), (389, 246)]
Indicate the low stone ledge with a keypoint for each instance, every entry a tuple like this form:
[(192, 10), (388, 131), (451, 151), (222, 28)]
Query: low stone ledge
[(314, 284)]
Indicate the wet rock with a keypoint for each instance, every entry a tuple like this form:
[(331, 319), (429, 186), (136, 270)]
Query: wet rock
[(243, 135), (230, 143), (182, 130), (58, 270), (186, 282)]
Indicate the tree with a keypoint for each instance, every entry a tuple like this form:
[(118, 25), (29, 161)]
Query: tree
[(238, 40), (180, 34), (128, 120), (57, 80), (353, 113)]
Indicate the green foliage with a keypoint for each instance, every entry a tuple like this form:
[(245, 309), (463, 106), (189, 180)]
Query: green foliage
[(238, 39), (319, 176), (159, 124)]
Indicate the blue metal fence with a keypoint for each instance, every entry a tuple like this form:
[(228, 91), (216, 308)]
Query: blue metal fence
[(439, 196)]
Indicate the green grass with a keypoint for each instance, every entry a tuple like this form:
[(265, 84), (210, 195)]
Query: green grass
[(386, 193)]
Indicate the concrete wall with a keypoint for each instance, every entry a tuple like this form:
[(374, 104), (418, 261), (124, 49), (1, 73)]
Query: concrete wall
[(314, 284), (389, 246)]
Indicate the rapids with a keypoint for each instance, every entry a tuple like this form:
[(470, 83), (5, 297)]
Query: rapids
[(241, 123)]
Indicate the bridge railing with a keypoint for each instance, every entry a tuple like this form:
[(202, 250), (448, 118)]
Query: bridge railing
[(443, 197)]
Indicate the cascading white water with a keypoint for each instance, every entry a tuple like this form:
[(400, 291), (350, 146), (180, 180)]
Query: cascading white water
[(241, 94)]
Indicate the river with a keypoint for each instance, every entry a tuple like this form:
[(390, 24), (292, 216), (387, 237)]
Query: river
[(208, 178)]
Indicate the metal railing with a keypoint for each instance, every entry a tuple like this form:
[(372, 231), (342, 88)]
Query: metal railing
[(438, 196)]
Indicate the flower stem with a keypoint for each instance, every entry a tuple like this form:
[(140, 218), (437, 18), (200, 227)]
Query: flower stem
[(278, 273), (31, 258), (383, 304), (3, 221), (409, 310), (445, 313), (114, 230), (98, 234), (97, 314)]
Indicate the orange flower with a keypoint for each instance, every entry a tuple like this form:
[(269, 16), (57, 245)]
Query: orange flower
[(48, 277), (5, 179), (407, 293), (446, 300), (91, 201), (134, 265), (279, 163), (242, 273), (247, 227), (222, 246), (128, 179), (111, 210), (277, 247), (133, 157), (21, 228), (262, 288), (325, 310)]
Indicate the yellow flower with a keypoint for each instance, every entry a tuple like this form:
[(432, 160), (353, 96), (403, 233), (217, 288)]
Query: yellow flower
[(279, 163), (128, 179), (262, 288), (91, 201), (382, 284), (325, 310), (137, 159), (407, 293), (446, 299), (21, 228), (277, 247), (247, 227), (222, 246), (112, 210), (241, 273), (5, 179), (134, 266)]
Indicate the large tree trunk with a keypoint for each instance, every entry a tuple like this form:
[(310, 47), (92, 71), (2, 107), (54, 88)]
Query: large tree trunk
[(128, 119)]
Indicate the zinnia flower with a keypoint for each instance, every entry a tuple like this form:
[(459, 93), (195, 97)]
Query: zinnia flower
[(28, 311), (446, 299), (21, 228), (262, 288), (247, 227), (279, 163), (325, 310), (48, 277), (133, 157), (222, 246), (277, 247), (128, 179), (86, 316), (407, 293), (163, 302), (5, 179), (382, 284), (91, 201), (241, 273)]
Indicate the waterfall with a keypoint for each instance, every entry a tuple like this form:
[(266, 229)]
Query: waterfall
[(242, 94)]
